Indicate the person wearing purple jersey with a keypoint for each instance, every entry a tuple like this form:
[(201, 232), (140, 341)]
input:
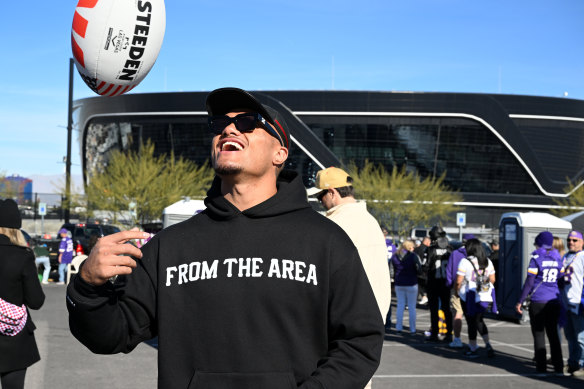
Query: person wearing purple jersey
[(65, 253), (541, 287), (572, 285), (391, 247)]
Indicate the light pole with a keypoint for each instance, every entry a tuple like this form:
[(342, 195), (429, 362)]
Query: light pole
[(67, 199)]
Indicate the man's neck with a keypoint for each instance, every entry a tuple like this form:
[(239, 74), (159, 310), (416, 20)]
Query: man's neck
[(245, 194), (344, 200)]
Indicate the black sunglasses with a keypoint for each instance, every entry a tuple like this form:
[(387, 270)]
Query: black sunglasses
[(244, 122), (321, 195), (572, 240)]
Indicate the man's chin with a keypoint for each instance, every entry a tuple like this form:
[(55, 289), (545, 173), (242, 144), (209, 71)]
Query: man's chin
[(228, 170)]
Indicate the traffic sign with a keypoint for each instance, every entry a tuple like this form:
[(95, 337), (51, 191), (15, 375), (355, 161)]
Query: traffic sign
[(42, 209), (461, 219)]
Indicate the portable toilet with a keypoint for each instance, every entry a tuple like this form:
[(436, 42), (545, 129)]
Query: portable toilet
[(517, 232)]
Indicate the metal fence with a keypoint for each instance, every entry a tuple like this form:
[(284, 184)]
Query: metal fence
[(29, 203)]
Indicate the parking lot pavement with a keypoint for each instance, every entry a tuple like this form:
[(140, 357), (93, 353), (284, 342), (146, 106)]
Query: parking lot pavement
[(407, 361), (67, 363)]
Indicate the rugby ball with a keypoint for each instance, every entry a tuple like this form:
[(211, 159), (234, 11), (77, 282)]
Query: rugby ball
[(116, 42)]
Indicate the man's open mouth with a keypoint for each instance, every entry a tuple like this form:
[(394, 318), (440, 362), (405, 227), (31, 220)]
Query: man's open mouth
[(231, 146)]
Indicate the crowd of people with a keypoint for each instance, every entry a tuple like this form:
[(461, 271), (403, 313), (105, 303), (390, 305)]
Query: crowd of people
[(462, 284), (309, 294)]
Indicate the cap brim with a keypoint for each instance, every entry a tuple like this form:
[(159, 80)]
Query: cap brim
[(225, 100), (313, 191)]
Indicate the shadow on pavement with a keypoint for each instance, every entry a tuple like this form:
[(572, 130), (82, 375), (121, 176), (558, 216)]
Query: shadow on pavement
[(513, 364)]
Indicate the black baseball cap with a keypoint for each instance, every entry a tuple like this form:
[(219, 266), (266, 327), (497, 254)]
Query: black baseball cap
[(224, 100)]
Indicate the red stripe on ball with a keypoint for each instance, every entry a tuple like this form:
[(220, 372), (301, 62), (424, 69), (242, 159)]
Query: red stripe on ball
[(79, 24), (87, 3), (77, 52)]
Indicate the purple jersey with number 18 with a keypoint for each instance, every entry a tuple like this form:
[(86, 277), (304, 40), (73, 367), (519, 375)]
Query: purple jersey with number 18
[(546, 266)]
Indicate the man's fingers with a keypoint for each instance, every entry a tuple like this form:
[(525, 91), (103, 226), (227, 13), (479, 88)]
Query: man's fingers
[(124, 236), (122, 249), (128, 235), (119, 260), (113, 271), (111, 257)]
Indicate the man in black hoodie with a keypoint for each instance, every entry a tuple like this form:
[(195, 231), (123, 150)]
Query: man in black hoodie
[(257, 291), (438, 293)]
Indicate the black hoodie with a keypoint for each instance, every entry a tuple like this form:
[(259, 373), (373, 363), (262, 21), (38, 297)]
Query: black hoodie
[(271, 297)]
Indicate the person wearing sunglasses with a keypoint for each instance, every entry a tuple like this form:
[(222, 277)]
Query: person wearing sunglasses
[(572, 282), (257, 291), (334, 189)]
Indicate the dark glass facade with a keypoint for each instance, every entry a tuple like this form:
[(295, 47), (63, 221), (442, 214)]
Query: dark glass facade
[(469, 154), (185, 136), (557, 145), (501, 152)]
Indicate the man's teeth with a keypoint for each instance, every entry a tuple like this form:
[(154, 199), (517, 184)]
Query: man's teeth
[(234, 144)]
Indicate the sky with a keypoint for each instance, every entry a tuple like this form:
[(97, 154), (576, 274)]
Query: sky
[(526, 47)]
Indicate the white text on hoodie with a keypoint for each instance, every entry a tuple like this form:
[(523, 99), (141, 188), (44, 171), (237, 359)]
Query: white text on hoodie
[(241, 268)]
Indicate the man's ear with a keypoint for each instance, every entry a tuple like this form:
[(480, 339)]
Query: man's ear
[(280, 156)]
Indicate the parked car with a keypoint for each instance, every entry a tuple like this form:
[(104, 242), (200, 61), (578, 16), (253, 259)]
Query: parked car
[(81, 232), (26, 237)]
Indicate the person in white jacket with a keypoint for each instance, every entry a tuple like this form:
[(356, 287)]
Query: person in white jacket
[(334, 189), (572, 292)]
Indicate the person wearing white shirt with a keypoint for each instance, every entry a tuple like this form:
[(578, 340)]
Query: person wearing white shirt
[(573, 282), (474, 285)]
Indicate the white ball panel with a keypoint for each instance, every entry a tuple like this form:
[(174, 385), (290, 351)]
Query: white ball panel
[(122, 41)]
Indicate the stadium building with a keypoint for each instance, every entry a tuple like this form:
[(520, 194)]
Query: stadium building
[(503, 153)]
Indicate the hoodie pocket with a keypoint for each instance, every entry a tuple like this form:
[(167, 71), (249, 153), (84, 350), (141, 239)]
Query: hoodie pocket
[(268, 380)]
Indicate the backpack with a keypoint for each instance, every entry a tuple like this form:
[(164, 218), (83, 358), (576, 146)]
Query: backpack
[(12, 318), (482, 280)]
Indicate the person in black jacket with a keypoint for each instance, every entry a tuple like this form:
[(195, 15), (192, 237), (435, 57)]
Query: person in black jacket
[(257, 291), (438, 293), (422, 252), (19, 284)]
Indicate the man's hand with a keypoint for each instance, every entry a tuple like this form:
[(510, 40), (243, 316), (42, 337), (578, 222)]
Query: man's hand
[(111, 257), (518, 309)]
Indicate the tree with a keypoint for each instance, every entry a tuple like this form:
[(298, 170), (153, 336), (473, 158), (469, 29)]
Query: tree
[(148, 181), (573, 203), (77, 201), (403, 200)]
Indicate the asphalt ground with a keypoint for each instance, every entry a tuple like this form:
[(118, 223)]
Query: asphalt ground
[(407, 360), (66, 363)]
